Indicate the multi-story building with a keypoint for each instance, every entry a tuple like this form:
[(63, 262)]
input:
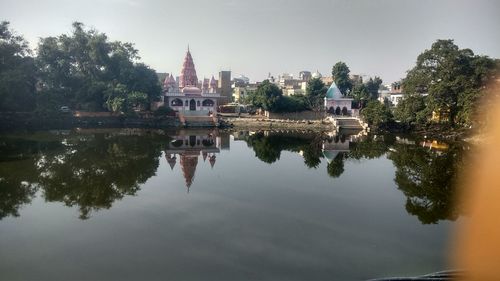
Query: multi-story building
[(242, 91), (224, 87)]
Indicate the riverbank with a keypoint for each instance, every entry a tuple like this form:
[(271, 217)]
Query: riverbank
[(40, 121), (270, 124), (432, 131)]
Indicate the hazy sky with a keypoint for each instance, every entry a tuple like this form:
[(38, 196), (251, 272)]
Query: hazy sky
[(254, 37)]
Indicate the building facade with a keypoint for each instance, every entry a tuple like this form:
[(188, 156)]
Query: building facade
[(188, 95), (224, 87), (336, 103)]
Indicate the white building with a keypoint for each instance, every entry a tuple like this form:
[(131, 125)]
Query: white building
[(336, 103)]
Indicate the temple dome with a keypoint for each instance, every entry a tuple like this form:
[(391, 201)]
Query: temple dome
[(316, 75), (213, 82), (169, 81), (191, 90), (334, 92)]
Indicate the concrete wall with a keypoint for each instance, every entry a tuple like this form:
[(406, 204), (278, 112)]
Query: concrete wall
[(304, 115)]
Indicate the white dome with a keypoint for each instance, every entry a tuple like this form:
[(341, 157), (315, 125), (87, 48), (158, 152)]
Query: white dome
[(317, 75)]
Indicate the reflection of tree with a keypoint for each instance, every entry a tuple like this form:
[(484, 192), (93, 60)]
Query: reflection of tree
[(428, 181), (336, 167), (16, 187), (18, 173), (268, 148), (93, 172), (370, 148)]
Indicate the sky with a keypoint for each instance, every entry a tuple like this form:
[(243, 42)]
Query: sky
[(257, 37)]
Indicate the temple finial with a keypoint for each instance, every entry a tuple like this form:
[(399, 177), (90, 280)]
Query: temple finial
[(188, 47)]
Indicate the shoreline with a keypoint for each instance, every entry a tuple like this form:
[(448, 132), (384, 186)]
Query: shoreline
[(33, 121)]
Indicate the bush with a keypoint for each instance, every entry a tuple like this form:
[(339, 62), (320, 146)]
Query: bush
[(291, 104), (164, 111)]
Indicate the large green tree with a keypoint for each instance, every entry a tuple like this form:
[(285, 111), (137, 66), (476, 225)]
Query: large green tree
[(84, 69), (267, 96), (340, 73), (17, 72), (454, 78)]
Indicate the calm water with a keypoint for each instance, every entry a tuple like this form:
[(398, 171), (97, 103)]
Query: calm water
[(208, 205)]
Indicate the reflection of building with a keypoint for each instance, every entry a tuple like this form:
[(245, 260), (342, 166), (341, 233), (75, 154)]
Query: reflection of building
[(332, 147), (188, 148), (187, 94)]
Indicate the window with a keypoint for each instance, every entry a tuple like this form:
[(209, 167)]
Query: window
[(176, 102), (208, 102)]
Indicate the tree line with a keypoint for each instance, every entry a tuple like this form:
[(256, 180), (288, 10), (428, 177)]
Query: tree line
[(83, 70)]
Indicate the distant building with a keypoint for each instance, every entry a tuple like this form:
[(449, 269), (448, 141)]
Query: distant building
[(224, 87), (241, 92), (328, 80), (356, 79), (305, 75)]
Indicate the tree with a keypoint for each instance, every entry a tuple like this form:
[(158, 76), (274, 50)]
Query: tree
[(376, 113), (316, 93), (83, 69), (17, 72), (340, 73), (372, 86), (360, 93), (453, 78), (267, 96), (412, 109)]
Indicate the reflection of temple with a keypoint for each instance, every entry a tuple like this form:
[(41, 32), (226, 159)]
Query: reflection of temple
[(333, 146), (188, 149)]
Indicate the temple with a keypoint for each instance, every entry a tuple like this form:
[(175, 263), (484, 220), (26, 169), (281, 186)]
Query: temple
[(189, 96), (336, 103)]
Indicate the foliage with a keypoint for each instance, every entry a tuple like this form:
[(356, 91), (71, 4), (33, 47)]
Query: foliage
[(336, 168), (360, 93), (453, 78), (372, 86), (266, 96), (428, 179), (376, 113), (340, 73), (411, 110), (164, 110), (294, 103), (85, 70), (268, 148), (17, 72), (315, 94)]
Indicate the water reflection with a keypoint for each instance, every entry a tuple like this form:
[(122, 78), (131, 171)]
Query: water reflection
[(189, 145), (90, 170)]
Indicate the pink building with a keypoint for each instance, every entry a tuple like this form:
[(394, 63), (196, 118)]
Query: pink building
[(189, 96)]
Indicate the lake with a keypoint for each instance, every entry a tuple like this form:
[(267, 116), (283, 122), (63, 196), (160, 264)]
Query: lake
[(135, 204)]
